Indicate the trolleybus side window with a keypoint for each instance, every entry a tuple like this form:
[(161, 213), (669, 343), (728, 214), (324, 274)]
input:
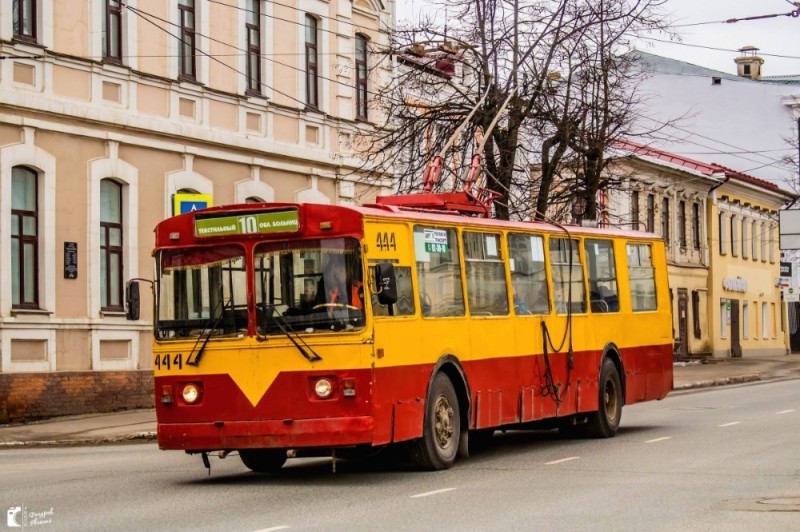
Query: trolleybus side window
[(565, 262), (602, 274), (438, 272), (487, 293), (642, 277), (405, 294), (528, 277)]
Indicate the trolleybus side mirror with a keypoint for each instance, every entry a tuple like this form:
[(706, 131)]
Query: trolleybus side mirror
[(132, 300), (386, 283)]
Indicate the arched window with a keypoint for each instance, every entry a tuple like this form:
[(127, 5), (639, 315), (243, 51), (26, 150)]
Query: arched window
[(24, 238), (361, 77), (253, 199), (111, 238)]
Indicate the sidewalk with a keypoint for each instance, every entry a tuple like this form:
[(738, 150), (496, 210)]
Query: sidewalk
[(140, 425)]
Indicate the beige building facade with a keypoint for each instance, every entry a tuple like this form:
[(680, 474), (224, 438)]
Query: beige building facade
[(110, 109), (721, 230)]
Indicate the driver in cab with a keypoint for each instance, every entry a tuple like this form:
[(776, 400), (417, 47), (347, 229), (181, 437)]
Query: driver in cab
[(336, 289)]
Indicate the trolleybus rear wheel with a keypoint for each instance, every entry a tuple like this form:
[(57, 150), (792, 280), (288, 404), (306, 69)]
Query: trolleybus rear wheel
[(441, 432), (263, 460), (605, 422)]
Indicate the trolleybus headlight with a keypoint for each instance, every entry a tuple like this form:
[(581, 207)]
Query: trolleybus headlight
[(323, 388), (191, 393)]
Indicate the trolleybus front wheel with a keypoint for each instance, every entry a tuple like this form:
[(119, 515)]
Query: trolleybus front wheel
[(263, 460), (605, 422), (441, 433)]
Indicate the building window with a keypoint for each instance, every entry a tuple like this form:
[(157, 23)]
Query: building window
[(312, 78), (361, 77), (682, 224), (112, 32), (754, 240), (772, 244), (745, 243), (111, 245), (723, 240), (763, 242), (734, 236), (696, 225), (698, 333), (764, 321), (24, 238), (723, 318), (635, 210), (665, 219), (253, 29), (187, 44), (651, 213), (745, 320), (24, 15)]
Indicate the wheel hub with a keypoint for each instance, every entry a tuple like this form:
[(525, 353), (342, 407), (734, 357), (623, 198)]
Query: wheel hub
[(443, 424)]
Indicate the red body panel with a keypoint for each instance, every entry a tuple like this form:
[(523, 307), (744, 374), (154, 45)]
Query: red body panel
[(389, 405)]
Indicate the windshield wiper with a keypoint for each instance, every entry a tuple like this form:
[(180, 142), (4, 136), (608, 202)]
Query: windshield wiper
[(294, 337), (194, 358)]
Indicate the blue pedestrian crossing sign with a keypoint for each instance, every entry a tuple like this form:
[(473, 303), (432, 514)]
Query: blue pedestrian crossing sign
[(183, 203)]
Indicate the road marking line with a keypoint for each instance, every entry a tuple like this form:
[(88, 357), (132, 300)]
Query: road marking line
[(562, 460), (785, 411), (429, 493), (279, 527), (659, 439), (729, 424)]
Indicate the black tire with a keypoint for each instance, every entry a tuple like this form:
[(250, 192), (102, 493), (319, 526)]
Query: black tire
[(263, 460), (441, 431), (605, 422)]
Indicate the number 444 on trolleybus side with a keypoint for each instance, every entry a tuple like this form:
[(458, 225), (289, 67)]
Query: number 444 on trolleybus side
[(331, 329)]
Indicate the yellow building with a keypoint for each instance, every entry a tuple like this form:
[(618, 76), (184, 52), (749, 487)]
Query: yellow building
[(110, 109), (744, 282), (721, 231)]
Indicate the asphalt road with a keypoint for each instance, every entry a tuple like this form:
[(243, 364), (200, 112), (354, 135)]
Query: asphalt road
[(719, 459)]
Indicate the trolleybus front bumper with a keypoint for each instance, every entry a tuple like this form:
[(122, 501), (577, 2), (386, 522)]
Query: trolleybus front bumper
[(275, 434)]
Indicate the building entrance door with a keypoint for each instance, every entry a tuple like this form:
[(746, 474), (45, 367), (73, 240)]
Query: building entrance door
[(682, 346)]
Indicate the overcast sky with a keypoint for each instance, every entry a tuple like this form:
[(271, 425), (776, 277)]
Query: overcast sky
[(778, 36)]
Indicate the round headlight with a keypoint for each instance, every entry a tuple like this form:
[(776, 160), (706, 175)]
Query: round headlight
[(323, 388), (190, 393)]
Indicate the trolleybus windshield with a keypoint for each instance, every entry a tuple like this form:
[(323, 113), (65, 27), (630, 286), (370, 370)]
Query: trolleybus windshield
[(201, 292), (309, 286)]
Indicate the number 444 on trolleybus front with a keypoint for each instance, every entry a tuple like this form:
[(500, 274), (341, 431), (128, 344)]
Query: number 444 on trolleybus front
[(342, 330)]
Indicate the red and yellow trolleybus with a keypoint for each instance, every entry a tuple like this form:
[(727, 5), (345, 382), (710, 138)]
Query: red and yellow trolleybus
[(319, 328)]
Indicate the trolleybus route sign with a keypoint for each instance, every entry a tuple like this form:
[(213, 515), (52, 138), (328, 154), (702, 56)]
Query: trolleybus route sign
[(249, 223)]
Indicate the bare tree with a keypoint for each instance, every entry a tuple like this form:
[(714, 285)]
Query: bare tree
[(561, 62)]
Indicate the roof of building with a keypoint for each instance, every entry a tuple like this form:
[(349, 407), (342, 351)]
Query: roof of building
[(709, 169), (789, 79), (718, 118)]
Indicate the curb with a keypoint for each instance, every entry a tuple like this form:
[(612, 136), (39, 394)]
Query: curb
[(720, 382), (137, 437)]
